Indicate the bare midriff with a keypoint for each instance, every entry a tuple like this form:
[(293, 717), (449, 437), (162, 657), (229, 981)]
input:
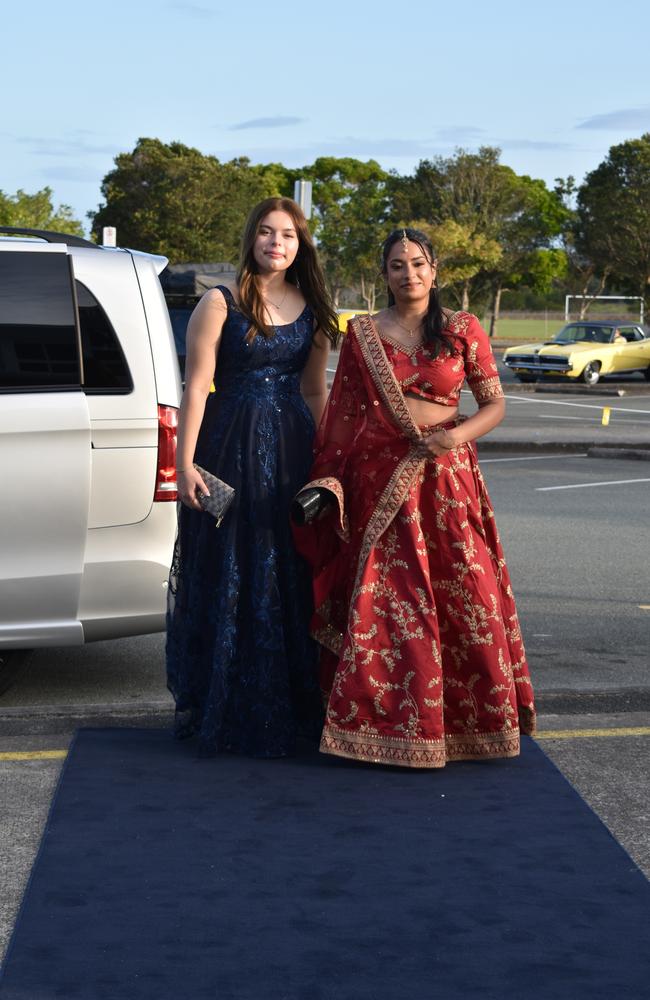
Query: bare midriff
[(426, 414)]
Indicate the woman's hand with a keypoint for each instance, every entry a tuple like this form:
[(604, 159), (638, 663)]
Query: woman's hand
[(439, 443), (190, 484)]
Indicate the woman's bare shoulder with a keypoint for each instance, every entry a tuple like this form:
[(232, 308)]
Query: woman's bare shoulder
[(214, 299)]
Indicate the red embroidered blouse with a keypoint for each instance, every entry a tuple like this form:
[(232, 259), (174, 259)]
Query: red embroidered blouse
[(439, 380)]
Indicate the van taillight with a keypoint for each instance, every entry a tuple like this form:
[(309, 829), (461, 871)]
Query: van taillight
[(166, 487)]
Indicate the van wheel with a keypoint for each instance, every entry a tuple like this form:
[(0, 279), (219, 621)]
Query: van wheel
[(591, 373)]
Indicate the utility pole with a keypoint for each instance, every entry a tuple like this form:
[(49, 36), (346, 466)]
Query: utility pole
[(302, 194)]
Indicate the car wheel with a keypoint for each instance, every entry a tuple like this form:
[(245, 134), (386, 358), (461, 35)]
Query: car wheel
[(591, 373), (646, 374), (526, 378)]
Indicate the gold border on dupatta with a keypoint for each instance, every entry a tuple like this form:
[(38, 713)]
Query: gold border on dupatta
[(336, 488), (383, 376), (396, 490)]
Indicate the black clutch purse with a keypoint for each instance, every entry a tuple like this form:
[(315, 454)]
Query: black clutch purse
[(310, 504), (221, 495)]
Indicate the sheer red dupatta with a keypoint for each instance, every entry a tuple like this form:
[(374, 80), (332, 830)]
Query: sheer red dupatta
[(366, 453)]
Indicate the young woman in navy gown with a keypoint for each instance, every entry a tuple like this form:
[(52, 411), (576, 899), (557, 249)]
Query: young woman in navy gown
[(241, 666)]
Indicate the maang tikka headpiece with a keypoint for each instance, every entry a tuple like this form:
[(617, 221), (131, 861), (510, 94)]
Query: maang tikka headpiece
[(405, 241)]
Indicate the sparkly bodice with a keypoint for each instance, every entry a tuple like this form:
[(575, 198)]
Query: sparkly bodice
[(240, 663)]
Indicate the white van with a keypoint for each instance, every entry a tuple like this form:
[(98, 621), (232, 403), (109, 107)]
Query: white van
[(89, 395)]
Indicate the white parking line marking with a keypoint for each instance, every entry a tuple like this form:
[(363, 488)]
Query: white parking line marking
[(583, 406), (532, 458), (582, 486)]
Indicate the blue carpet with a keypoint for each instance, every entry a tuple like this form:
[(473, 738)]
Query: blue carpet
[(164, 876)]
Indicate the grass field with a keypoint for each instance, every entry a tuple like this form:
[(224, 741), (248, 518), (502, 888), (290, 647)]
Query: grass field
[(526, 329)]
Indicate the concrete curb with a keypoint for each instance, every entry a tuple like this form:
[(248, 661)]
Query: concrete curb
[(525, 445), (581, 390), (639, 454), (45, 719), (601, 702), (613, 390)]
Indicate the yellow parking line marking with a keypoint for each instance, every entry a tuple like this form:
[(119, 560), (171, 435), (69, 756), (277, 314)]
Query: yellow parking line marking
[(546, 734), (644, 607), (569, 734)]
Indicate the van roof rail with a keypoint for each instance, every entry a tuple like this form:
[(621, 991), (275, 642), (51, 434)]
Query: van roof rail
[(49, 236)]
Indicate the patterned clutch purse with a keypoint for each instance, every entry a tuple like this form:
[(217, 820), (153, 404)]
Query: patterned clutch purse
[(221, 495)]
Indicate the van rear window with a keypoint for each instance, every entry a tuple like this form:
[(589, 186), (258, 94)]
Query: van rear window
[(105, 367), (38, 332)]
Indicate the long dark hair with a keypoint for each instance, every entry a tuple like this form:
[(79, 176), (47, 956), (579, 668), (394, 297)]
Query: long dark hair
[(305, 273), (435, 321)]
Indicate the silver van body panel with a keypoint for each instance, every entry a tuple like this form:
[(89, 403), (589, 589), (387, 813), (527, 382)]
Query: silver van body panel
[(84, 550)]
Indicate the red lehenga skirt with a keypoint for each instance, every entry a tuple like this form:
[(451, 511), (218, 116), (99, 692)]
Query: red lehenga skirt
[(431, 667), (423, 660)]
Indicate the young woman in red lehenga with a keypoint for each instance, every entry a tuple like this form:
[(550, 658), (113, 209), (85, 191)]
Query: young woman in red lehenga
[(423, 660)]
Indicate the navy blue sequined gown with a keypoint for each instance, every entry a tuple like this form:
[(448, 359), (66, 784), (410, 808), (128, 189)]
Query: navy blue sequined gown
[(240, 663)]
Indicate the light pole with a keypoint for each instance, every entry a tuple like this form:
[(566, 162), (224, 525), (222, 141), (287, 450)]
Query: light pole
[(302, 194)]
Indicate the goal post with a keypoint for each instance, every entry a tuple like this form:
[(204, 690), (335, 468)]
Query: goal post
[(599, 298)]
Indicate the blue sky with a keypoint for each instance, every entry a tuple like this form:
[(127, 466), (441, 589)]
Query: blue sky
[(553, 84)]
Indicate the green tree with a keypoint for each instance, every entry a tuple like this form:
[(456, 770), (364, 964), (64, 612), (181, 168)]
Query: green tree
[(350, 202), (532, 220), (613, 216), (36, 211), (461, 254), (580, 278), (491, 205), (171, 199)]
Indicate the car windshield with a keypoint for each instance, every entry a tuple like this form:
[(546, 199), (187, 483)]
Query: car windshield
[(579, 333)]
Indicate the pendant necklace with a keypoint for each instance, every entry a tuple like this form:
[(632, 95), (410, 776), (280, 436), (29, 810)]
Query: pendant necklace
[(406, 329), (280, 303)]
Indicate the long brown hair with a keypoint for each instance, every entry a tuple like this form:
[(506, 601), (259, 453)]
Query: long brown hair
[(305, 273)]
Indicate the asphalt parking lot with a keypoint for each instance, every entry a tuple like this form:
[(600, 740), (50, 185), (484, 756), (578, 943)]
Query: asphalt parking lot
[(574, 528)]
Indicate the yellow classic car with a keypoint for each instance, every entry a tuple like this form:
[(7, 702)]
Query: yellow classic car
[(347, 314), (584, 351)]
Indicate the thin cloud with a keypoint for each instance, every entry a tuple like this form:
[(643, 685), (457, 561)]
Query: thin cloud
[(352, 146), (75, 145), (539, 145), (625, 118), (382, 149), (279, 121), (294, 155)]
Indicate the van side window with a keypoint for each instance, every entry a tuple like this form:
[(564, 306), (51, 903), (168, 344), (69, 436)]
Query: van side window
[(105, 367), (38, 333)]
